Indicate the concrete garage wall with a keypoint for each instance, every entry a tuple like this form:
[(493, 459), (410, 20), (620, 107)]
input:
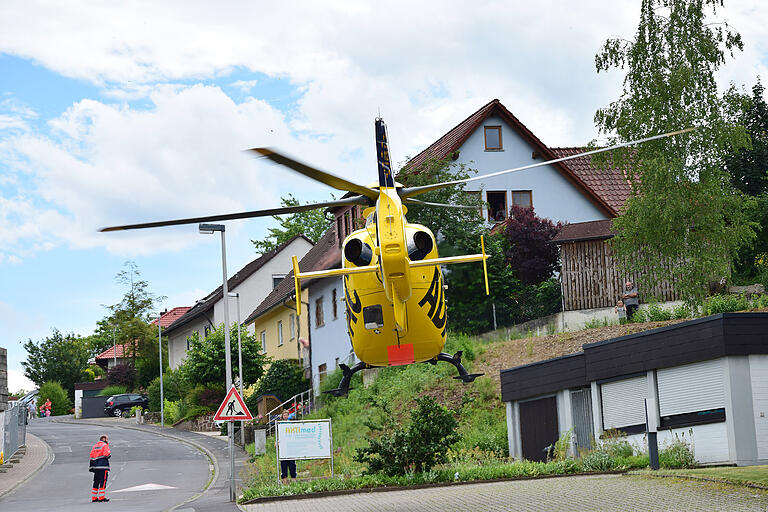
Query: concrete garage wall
[(3, 379), (93, 406)]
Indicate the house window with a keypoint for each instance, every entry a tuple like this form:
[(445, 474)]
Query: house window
[(292, 325), (279, 333), (322, 371), (497, 206), (493, 138), (334, 306), (276, 278), (263, 341), (522, 198), (319, 321), (347, 226), (339, 231)]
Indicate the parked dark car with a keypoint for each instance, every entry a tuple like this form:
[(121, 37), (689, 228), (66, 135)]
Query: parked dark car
[(117, 404)]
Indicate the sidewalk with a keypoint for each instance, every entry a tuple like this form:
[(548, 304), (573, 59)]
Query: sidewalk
[(216, 496), (37, 457)]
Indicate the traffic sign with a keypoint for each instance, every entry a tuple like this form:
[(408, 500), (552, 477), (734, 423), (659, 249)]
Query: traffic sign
[(233, 408)]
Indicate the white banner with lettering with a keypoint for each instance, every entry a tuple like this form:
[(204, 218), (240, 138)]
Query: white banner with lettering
[(306, 439)]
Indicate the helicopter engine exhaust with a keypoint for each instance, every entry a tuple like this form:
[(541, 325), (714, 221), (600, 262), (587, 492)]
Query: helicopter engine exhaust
[(420, 246), (358, 252)]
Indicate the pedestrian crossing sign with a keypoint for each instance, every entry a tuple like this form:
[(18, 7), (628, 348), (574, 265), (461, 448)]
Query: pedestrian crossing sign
[(233, 408)]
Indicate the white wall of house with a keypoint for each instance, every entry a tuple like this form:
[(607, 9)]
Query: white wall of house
[(738, 384), (253, 290), (553, 196), (330, 342)]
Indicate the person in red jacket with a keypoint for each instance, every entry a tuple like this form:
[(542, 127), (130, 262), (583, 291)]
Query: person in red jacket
[(100, 468)]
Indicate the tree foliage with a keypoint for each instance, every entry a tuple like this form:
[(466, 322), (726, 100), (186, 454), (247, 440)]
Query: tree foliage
[(531, 252), (284, 379), (122, 375), (682, 207), (205, 363), (59, 358), (417, 447), (311, 224)]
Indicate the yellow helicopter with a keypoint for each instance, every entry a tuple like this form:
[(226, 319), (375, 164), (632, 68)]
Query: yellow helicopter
[(393, 285)]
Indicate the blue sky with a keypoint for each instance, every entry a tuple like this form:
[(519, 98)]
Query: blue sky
[(142, 111)]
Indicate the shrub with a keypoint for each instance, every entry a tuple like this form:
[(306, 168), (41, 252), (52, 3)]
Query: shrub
[(416, 448), (122, 375), (598, 460), (724, 304), (681, 311), (285, 378), (53, 391), (655, 313), (113, 390), (170, 391), (638, 316), (559, 450), (87, 375), (677, 454), (210, 395), (173, 411)]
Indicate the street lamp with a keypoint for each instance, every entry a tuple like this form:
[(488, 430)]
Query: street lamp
[(114, 348), (160, 355), (209, 229), (239, 360)]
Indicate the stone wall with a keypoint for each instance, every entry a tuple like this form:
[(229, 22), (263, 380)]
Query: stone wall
[(202, 423), (3, 379)]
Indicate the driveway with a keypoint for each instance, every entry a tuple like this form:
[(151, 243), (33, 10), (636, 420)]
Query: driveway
[(585, 493)]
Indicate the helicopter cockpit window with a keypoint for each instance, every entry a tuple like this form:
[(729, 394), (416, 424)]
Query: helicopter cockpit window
[(373, 317)]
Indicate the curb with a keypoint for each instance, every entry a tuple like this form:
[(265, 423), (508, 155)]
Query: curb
[(704, 479), (211, 458), (363, 490), (47, 462)]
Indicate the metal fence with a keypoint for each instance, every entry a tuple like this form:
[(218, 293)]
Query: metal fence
[(14, 429), (299, 404)]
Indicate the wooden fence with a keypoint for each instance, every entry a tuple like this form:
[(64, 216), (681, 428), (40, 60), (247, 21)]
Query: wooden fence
[(591, 278)]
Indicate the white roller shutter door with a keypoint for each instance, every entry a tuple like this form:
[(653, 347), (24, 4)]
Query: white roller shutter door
[(624, 402), (691, 388)]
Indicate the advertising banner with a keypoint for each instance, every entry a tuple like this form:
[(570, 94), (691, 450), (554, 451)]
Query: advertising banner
[(307, 439)]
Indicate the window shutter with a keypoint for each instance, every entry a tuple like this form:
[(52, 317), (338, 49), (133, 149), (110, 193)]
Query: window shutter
[(691, 388), (624, 402)]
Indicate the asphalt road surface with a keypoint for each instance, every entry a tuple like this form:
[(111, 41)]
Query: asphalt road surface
[(148, 472)]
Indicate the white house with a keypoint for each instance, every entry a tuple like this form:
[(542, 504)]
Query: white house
[(492, 139), (253, 282)]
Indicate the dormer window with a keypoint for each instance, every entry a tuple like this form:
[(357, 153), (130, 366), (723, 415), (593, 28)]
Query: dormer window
[(493, 138)]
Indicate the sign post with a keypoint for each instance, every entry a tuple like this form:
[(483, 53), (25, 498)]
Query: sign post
[(303, 440), (651, 428)]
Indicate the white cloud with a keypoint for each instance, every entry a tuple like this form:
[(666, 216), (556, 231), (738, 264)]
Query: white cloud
[(244, 85)]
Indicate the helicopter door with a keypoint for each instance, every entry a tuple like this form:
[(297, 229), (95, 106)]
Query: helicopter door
[(373, 317)]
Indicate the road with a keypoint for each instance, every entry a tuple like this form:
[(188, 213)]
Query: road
[(149, 472)]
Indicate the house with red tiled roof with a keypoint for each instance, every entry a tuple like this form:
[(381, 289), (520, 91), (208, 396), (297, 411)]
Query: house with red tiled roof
[(168, 317), (253, 283), (492, 139), (113, 356)]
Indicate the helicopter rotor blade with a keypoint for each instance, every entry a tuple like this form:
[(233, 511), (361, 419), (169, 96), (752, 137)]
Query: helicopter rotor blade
[(444, 205), (407, 192), (244, 215), (329, 179)]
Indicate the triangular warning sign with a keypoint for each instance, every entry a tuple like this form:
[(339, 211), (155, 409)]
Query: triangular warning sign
[(233, 408)]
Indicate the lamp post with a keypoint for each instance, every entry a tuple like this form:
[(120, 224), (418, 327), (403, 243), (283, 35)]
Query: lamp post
[(160, 355), (236, 295), (209, 229), (114, 347)]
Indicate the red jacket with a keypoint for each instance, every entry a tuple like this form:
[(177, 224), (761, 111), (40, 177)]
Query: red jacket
[(100, 456)]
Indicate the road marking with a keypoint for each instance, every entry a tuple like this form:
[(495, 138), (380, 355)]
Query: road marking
[(146, 487)]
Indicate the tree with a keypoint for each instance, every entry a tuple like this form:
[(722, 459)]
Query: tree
[(531, 252), (59, 358), (205, 363), (60, 402), (683, 220), (284, 379), (311, 224)]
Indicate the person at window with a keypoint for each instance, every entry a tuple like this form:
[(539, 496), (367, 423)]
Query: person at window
[(500, 215), (631, 298)]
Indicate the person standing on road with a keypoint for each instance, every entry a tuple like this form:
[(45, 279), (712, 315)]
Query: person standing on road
[(100, 468)]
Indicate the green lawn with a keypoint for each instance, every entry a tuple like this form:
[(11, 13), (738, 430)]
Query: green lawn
[(757, 475)]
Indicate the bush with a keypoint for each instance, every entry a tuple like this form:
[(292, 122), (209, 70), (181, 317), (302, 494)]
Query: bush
[(210, 396), (122, 375), (680, 312), (87, 375), (598, 460), (677, 454), (638, 317), (53, 391), (113, 390), (724, 304), (655, 313), (284, 379), (173, 411), (416, 448)]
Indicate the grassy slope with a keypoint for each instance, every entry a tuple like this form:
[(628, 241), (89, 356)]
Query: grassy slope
[(757, 475)]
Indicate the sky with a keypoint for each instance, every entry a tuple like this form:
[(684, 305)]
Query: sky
[(123, 112)]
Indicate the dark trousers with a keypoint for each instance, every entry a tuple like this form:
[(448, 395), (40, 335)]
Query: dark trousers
[(98, 492), (287, 465), (631, 308)]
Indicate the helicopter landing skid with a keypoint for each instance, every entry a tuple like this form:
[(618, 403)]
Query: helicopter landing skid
[(455, 360), (343, 388)]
